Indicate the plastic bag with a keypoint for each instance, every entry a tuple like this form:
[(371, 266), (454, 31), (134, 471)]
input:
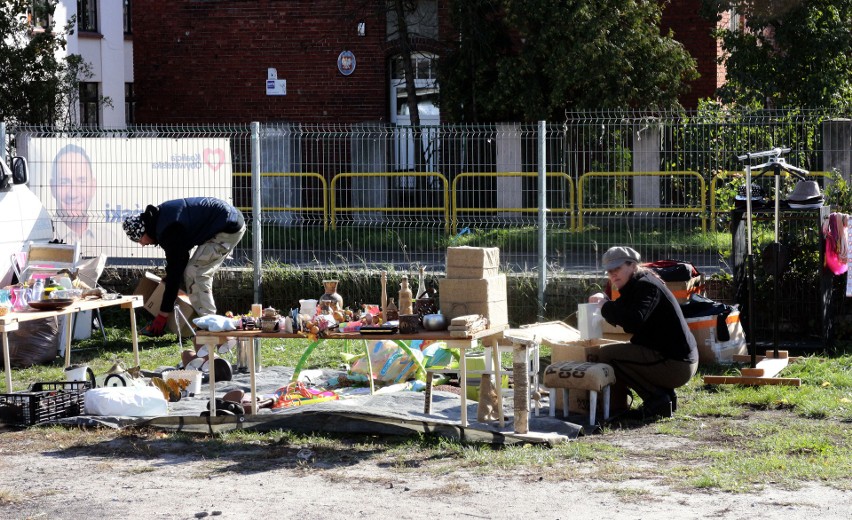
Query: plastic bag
[(126, 401), (35, 342)]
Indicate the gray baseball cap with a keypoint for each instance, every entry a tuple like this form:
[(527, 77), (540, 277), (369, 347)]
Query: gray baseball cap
[(615, 256)]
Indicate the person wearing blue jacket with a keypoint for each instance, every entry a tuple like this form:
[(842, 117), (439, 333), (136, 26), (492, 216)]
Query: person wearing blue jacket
[(209, 225)]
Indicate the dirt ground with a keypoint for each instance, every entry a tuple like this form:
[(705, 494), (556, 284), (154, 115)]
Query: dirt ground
[(126, 476)]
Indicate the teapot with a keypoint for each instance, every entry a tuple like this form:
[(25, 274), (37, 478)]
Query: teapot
[(80, 373)]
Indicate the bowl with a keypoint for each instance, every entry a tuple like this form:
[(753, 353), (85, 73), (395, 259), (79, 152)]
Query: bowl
[(435, 322)]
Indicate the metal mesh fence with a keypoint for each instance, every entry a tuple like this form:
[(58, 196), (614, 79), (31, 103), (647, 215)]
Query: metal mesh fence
[(377, 194)]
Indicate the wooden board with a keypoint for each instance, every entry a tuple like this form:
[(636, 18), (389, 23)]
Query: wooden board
[(770, 367), (743, 380), (762, 374)]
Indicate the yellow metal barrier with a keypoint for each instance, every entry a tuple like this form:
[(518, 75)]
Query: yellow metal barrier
[(585, 178), (335, 209), (323, 185), (726, 174), (456, 209)]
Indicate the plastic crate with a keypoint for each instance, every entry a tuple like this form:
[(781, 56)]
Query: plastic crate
[(45, 401)]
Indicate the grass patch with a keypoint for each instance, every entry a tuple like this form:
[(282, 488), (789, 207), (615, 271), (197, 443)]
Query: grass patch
[(8, 497)]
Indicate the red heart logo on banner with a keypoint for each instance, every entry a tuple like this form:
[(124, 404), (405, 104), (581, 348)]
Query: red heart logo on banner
[(214, 158)]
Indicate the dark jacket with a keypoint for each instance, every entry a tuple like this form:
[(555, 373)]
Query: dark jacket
[(648, 310), (181, 224)]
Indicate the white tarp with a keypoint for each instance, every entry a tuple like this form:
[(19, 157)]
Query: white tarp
[(104, 180)]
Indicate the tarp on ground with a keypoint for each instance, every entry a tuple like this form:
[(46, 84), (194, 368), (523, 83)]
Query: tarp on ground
[(397, 413)]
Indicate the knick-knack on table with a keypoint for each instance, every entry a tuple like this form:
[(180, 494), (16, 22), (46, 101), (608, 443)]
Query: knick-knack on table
[(330, 300), (384, 300), (406, 304), (391, 312)]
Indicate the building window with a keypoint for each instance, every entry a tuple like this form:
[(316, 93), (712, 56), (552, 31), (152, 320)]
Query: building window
[(40, 16), (128, 19), (87, 15), (89, 106), (129, 104), (734, 24), (423, 64)]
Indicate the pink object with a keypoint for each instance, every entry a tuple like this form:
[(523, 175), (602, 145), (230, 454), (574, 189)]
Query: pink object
[(832, 260)]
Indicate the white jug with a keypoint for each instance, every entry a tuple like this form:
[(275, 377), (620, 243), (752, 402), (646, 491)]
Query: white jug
[(589, 321), (80, 373), (308, 307)]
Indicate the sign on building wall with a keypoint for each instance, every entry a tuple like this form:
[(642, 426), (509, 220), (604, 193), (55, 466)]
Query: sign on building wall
[(88, 185)]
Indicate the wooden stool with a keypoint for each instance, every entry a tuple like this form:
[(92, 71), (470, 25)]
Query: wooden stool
[(580, 375)]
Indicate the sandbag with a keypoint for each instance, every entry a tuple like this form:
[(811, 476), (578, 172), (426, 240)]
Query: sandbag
[(35, 342), (126, 401)]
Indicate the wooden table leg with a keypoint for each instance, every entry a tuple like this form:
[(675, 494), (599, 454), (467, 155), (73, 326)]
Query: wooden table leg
[(463, 385), (134, 337), (7, 363), (520, 368), (252, 382), (427, 405), (69, 332)]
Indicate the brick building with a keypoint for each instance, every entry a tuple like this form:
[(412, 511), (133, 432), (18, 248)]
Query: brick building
[(210, 61)]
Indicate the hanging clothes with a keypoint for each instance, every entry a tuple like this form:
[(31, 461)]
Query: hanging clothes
[(836, 243)]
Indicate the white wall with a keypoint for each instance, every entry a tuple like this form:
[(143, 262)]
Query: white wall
[(110, 57)]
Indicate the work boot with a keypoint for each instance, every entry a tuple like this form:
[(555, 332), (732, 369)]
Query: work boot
[(659, 406), (673, 397)]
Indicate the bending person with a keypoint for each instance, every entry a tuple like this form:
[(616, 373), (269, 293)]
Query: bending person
[(661, 355), (211, 226)]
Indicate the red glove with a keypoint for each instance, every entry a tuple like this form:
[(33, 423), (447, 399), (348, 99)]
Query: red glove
[(156, 327)]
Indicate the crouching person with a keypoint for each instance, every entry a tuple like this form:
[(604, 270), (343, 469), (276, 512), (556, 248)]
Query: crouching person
[(661, 355)]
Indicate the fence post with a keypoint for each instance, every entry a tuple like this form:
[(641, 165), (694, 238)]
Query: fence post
[(837, 138), (542, 216), (646, 158), (257, 246), (509, 159)]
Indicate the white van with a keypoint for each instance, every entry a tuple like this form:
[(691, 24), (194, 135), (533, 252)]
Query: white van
[(22, 217)]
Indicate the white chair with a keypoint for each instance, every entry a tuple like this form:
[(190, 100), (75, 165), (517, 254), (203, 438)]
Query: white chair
[(44, 260)]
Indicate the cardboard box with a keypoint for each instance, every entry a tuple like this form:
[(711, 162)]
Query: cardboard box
[(151, 288), (710, 349), (582, 350), (472, 262), (485, 296), (614, 332)]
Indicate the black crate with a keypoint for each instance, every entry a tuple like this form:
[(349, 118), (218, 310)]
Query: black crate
[(45, 401)]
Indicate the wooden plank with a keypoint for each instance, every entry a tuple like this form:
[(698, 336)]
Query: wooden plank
[(771, 367), (743, 380), (746, 358), (753, 372)]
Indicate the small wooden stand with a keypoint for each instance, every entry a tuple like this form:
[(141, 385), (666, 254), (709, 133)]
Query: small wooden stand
[(763, 373)]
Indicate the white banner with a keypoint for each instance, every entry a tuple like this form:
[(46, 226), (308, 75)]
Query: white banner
[(88, 185)]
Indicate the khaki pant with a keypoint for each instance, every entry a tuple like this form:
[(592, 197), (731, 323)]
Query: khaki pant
[(205, 261), (644, 370)]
